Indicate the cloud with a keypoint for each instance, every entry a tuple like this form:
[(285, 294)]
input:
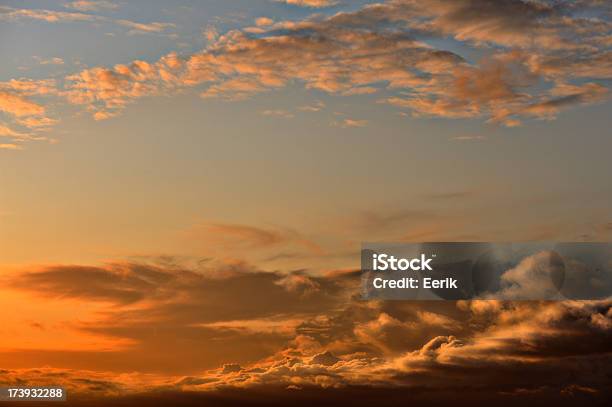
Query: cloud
[(18, 105), (564, 96), (378, 48), (135, 27), (244, 329), (476, 137), (278, 113), (8, 132), (53, 16), (50, 16), (310, 3), (74, 381), (279, 324), (30, 87), (346, 123), (263, 21), (50, 61), (390, 334), (91, 5), (565, 271), (6, 146), (107, 90), (144, 306), (517, 340), (506, 22), (215, 283), (231, 237), (538, 59), (537, 276), (113, 284), (314, 107), (25, 116)]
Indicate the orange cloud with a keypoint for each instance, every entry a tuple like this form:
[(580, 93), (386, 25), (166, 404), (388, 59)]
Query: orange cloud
[(263, 21), (540, 60), (332, 58), (240, 328), (53, 16), (16, 102), (310, 3), (91, 5), (19, 105), (10, 146)]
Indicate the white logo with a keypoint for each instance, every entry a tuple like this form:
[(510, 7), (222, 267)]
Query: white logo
[(382, 262)]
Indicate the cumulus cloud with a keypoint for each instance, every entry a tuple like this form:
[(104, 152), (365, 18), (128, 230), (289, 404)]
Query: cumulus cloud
[(25, 115), (243, 328), (263, 21), (516, 340), (24, 100), (379, 49), (18, 105), (105, 91), (540, 58)]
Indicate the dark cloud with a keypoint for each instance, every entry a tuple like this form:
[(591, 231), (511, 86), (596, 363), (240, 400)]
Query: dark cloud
[(115, 283), (218, 332), (244, 312)]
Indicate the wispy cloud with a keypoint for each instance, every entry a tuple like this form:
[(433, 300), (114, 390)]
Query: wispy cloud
[(6, 146), (474, 137), (278, 113), (49, 61), (228, 238), (314, 107), (348, 123), (91, 5), (310, 3), (50, 16), (54, 16), (145, 27)]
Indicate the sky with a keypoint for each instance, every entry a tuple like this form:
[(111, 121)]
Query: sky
[(185, 187)]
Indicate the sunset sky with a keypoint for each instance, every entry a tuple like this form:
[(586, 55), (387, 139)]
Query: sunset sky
[(185, 186)]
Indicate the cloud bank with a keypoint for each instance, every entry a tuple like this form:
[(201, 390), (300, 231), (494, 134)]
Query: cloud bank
[(505, 62), (248, 330)]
